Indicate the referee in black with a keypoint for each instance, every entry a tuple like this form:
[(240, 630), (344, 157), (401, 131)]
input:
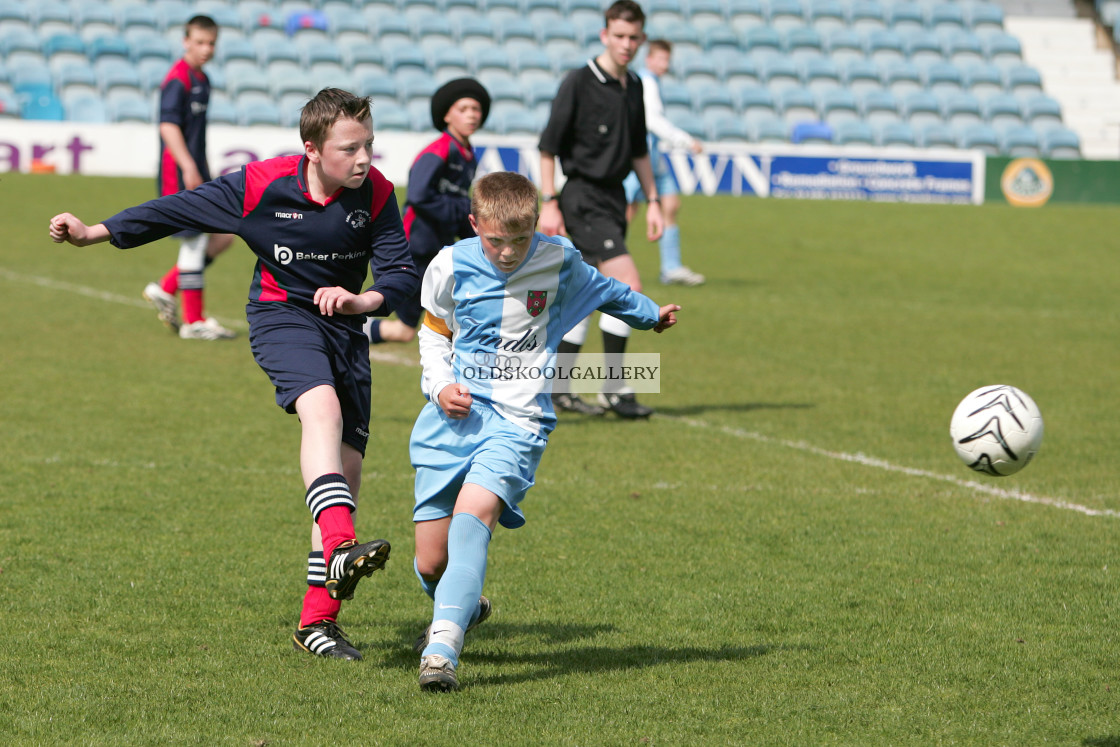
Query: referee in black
[(597, 128)]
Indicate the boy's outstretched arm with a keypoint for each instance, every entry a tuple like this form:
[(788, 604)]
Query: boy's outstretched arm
[(667, 316), (66, 227)]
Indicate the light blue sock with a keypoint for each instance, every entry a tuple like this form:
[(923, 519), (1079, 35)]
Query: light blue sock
[(429, 587), (456, 599), (670, 245)]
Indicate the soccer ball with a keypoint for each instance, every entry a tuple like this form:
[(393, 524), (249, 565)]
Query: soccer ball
[(996, 430)]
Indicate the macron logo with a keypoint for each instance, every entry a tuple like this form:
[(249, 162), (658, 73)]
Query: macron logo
[(292, 216)]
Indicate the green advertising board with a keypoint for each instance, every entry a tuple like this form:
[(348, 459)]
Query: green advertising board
[(1033, 182)]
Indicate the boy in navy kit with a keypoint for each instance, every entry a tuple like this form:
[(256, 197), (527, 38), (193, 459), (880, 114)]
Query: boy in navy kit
[(184, 98), (477, 442), (315, 222), (439, 192)]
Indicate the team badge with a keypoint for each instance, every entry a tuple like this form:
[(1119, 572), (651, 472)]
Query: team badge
[(535, 302), (358, 218)]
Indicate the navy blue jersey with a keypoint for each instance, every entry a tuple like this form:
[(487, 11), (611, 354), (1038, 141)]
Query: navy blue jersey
[(183, 99), (301, 245), (438, 200)]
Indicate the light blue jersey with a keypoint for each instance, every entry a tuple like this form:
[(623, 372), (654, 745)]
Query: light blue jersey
[(496, 318)]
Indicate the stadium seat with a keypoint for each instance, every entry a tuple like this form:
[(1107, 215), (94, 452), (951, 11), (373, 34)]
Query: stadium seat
[(945, 16), (664, 12), (960, 109), (713, 100), (827, 16), (517, 32), (539, 96), (50, 17), (364, 59), (984, 17), (406, 59), (393, 30), (923, 47), (811, 132), (153, 72), (782, 15), (230, 50), (739, 70), (755, 102), (1002, 110), (902, 78), (862, 75), (285, 83), (921, 108), (94, 19), (728, 129), (963, 48), (936, 135), (854, 132), (676, 98), (686, 40), (348, 27), (820, 73), (105, 47), (20, 47), (906, 17), (983, 80), (39, 103), (1061, 143), (250, 80), (501, 9), (884, 46), (697, 71), (719, 38), (449, 62), (85, 107), (979, 137), (895, 134), (418, 88), (543, 11), (63, 49), (377, 86), (693, 124), (433, 31), (802, 42), (797, 105), (583, 10), (221, 111), (135, 17), (74, 79), (153, 47), (15, 16), (515, 122), (779, 73), (845, 45), (745, 14), (762, 41), (866, 16), (503, 87), (487, 59), (768, 130), (129, 110), (1003, 49), (9, 106), (942, 77), (1043, 112), (1020, 142), (879, 107), (838, 105), (1022, 80), (324, 59), (260, 113), (120, 77), (560, 37), (704, 14)]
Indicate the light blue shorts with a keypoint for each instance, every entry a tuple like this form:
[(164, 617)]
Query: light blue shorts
[(662, 174), (483, 449)]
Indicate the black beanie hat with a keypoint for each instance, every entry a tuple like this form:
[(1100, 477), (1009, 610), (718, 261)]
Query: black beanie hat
[(450, 92)]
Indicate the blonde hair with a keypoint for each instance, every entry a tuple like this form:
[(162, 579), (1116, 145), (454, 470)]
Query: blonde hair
[(505, 198), (327, 107)]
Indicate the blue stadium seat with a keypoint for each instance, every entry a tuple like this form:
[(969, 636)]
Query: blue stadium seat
[(884, 46), (728, 129), (104, 47), (248, 81), (838, 105), (476, 32), (809, 132), (76, 78), (393, 30), (323, 58), (762, 41), (260, 113), (20, 47), (348, 27), (486, 59), (942, 77), (432, 31), (945, 16), (52, 17), (1020, 142), (1003, 49), (172, 14), (797, 105), (1022, 80), (963, 48), (820, 73), (153, 72), (664, 12), (879, 107), (1061, 143), (377, 86), (827, 15), (779, 73), (84, 107), (923, 47), (449, 62), (866, 16), (420, 88), (686, 39), (906, 17), (1002, 110), (237, 48), (936, 135), (406, 59), (120, 77), (280, 55), (1043, 112), (221, 111), (153, 47), (539, 95), (719, 38), (739, 70), (895, 134), (854, 132), (364, 59), (801, 42), (902, 78), (504, 88), (982, 80), (62, 49), (745, 14), (560, 36), (845, 45), (286, 83), (862, 75), (699, 70), (138, 18), (693, 124), (784, 14), (921, 108), (755, 102), (712, 100), (543, 11), (500, 9), (768, 130), (984, 17), (94, 19), (9, 106), (39, 103), (959, 109), (517, 31), (704, 14), (676, 98), (515, 122), (15, 16), (979, 137), (129, 110)]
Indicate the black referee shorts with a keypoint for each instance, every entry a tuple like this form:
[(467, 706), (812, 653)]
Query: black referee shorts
[(595, 216)]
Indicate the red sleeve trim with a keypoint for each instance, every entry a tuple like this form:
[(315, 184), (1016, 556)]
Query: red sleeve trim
[(260, 174)]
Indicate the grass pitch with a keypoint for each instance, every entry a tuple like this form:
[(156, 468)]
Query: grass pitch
[(789, 552)]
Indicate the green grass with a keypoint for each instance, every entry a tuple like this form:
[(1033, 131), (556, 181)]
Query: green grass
[(711, 576)]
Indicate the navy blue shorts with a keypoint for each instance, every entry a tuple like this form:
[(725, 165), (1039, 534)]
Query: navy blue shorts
[(300, 349)]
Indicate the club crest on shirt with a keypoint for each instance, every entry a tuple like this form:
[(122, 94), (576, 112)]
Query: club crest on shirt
[(535, 302), (357, 218)]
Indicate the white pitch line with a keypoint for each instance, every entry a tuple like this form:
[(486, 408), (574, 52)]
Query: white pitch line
[(1014, 495)]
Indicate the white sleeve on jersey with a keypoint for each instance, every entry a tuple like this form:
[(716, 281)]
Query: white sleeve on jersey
[(436, 349), (656, 121)]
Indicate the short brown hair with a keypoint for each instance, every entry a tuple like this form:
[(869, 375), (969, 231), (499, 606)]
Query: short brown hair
[(505, 198), (327, 107), (200, 22), (624, 10), (663, 45)]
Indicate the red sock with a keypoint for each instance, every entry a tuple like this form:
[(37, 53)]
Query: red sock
[(192, 305), (336, 525), (170, 282), (317, 606)]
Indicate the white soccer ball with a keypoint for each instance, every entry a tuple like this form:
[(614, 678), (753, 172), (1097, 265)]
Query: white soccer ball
[(997, 430)]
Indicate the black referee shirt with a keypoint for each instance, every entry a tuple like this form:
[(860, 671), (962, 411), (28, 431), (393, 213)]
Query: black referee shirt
[(596, 127)]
